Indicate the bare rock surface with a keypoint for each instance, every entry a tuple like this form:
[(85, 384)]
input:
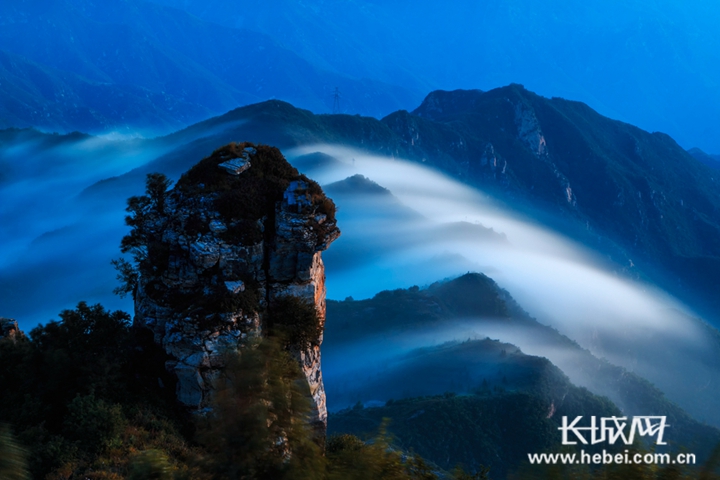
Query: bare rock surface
[(224, 247)]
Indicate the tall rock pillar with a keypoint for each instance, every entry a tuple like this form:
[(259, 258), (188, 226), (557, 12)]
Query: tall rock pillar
[(240, 231)]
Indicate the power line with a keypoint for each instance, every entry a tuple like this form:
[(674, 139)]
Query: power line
[(336, 101)]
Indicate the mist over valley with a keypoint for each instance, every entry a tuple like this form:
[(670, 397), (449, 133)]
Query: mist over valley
[(475, 220)]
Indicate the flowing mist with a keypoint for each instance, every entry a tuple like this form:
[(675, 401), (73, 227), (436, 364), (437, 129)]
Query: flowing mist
[(387, 245), (413, 226), (56, 246)]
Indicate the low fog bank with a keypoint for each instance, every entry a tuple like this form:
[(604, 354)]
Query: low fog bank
[(62, 208), (56, 246), (358, 370)]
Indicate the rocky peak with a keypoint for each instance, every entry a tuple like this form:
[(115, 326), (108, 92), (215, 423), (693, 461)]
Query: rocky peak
[(9, 329), (441, 103), (239, 233)]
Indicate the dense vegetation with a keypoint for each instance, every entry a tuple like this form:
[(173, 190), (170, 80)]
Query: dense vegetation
[(87, 393), (245, 203), (245, 199), (512, 404), (475, 430), (497, 431), (295, 321), (87, 397), (13, 464)]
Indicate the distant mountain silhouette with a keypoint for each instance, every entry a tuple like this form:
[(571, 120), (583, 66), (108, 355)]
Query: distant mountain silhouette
[(143, 67), (653, 64), (706, 158), (44, 97)]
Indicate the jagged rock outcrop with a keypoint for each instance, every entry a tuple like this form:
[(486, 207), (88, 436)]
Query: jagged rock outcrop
[(240, 231), (529, 131), (9, 329)]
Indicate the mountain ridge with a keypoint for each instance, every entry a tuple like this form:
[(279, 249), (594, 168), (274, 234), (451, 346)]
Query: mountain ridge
[(637, 197), (653, 65), (184, 63)]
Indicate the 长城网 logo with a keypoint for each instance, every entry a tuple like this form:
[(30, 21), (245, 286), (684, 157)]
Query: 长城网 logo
[(612, 429)]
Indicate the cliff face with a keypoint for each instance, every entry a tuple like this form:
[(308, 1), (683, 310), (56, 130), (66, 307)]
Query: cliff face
[(240, 233)]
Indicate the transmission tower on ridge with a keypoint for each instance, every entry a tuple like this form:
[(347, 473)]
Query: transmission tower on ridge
[(336, 101)]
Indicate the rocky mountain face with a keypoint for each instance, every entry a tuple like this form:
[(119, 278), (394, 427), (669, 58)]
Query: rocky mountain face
[(226, 250), (654, 202)]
